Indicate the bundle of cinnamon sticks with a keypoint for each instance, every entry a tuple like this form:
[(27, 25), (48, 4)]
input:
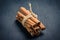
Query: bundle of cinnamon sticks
[(31, 23)]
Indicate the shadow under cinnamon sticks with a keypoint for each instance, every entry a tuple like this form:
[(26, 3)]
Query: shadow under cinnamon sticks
[(25, 32)]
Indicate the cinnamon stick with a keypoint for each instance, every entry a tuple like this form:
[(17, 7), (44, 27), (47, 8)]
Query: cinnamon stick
[(32, 24)]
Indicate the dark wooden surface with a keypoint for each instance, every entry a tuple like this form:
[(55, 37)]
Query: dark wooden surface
[(48, 12)]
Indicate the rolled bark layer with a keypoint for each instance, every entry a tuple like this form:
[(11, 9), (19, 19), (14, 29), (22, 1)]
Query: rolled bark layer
[(32, 24)]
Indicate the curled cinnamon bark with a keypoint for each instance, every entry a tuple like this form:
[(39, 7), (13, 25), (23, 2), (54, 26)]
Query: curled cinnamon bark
[(32, 24)]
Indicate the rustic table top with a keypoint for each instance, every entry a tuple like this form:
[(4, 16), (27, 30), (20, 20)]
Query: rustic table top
[(48, 12)]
